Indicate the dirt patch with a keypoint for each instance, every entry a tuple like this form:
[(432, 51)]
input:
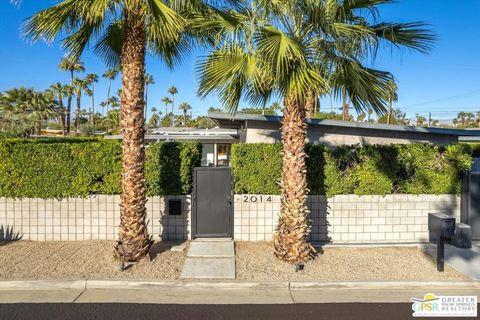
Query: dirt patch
[(255, 261), (82, 260)]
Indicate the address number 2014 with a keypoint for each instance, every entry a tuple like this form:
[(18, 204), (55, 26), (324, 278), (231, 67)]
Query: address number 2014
[(257, 198)]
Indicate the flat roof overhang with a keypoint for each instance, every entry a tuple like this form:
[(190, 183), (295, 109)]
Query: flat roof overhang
[(151, 138), (225, 120)]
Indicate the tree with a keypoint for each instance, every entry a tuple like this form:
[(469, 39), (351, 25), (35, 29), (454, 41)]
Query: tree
[(166, 101), (112, 122), (24, 110), (276, 107), (420, 120), (91, 79), (70, 65), (121, 32), (185, 107), (391, 96), (289, 49), (110, 74), (80, 85), (173, 91), (154, 121), (203, 122), (397, 117), (148, 81), (61, 91)]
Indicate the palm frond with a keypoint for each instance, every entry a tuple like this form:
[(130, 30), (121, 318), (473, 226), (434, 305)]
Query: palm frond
[(226, 73), (109, 46), (411, 35)]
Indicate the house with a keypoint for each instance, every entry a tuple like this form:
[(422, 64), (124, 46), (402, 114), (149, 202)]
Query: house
[(252, 128)]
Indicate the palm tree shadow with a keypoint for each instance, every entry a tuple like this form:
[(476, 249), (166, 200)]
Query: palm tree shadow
[(158, 248), (8, 235)]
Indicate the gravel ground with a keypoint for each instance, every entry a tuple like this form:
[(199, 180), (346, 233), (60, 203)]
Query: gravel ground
[(255, 261), (82, 260)]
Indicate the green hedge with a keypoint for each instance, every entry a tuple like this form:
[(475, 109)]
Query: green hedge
[(371, 169), (59, 168), (256, 167), (168, 168)]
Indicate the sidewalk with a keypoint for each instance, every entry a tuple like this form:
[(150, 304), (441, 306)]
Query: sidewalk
[(466, 261), (190, 292)]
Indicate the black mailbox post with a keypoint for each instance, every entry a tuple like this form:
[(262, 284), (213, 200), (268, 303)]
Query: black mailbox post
[(443, 227)]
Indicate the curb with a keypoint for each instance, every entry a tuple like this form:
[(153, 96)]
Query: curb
[(42, 284), (379, 285), (145, 284), (181, 284)]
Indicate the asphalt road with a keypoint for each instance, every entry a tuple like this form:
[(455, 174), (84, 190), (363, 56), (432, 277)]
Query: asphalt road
[(76, 311)]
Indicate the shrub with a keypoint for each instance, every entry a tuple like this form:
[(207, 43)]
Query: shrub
[(58, 168), (316, 168), (168, 169), (361, 170), (376, 170), (256, 168), (338, 171), (76, 167), (431, 169)]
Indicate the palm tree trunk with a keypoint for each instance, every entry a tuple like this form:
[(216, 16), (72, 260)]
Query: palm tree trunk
[(134, 241), (77, 113), (311, 105), (92, 115), (185, 118), (389, 116), (291, 240), (345, 113), (108, 94), (69, 111), (69, 104), (61, 114), (146, 103)]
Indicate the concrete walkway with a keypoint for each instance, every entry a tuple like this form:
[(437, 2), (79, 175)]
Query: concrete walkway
[(177, 292), (466, 261), (210, 259)]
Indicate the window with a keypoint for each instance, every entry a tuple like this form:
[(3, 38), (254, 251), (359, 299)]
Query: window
[(223, 155), (208, 155)]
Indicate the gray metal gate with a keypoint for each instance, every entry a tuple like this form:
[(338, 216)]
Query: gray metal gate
[(471, 202), (212, 203)]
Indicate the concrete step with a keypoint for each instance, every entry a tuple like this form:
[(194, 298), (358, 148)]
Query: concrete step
[(211, 249), (208, 268)]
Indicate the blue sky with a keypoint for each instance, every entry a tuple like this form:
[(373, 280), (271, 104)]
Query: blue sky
[(444, 82)]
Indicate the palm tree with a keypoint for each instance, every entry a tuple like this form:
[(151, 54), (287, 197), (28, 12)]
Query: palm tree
[(61, 91), (91, 79), (392, 89), (42, 106), (173, 91), (110, 74), (80, 85), (154, 119), (291, 48), (23, 110), (70, 65), (123, 30), (184, 107), (112, 122), (148, 81), (166, 101)]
